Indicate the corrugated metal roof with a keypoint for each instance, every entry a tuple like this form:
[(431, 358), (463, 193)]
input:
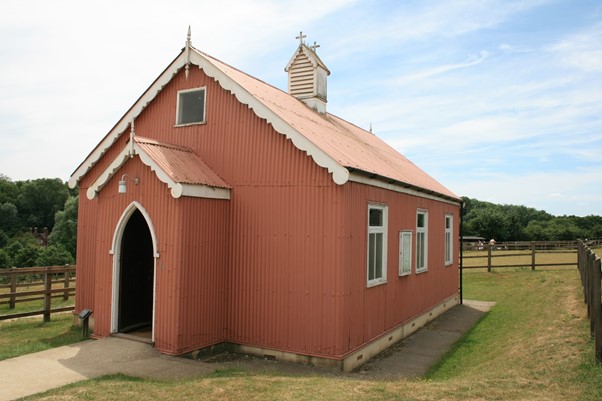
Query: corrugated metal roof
[(350, 146), (180, 163)]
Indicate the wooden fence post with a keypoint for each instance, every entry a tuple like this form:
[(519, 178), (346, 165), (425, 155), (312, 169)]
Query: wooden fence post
[(66, 293), (47, 295), (13, 289), (590, 268), (489, 246), (597, 308), (532, 255), (591, 257), (581, 266)]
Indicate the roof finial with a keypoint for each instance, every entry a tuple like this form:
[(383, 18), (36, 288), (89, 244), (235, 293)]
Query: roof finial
[(370, 126), (315, 46), (132, 135), (188, 45), (300, 37)]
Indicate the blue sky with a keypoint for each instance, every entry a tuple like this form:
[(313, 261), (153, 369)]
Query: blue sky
[(498, 100)]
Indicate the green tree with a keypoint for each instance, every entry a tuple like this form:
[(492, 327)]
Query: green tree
[(5, 260), (590, 226), (54, 255), (3, 239), (9, 219), (9, 190), (39, 200), (23, 250), (491, 223), (565, 229), (65, 226), (13, 247), (27, 256), (519, 218)]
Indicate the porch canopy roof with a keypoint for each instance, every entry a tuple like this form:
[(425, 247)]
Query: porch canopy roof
[(177, 166)]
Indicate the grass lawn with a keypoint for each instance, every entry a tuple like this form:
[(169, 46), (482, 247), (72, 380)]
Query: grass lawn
[(24, 336), (533, 345)]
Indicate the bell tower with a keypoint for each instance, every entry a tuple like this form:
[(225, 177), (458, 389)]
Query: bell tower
[(307, 76)]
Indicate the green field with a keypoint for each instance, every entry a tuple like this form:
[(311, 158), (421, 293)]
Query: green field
[(24, 336)]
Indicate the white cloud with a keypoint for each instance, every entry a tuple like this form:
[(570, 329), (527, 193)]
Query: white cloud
[(498, 124), (433, 71), (74, 68), (582, 50)]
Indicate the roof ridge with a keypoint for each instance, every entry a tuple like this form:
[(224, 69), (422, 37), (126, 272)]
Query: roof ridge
[(241, 71)]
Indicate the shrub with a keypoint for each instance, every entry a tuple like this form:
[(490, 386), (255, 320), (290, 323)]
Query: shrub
[(54, 255)]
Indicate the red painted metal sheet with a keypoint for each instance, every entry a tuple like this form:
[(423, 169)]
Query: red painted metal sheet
[(178, 268), (286, 286), (373, 311), (201, 317), (281, 265), (180, 163)]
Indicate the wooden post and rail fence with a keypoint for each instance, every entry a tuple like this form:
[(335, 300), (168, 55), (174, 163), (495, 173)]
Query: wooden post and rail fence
[(591, 277), (45, 281), (522, 254), (58, 282)]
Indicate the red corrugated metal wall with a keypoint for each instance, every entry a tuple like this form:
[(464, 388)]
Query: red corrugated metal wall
[(281, 265), (191, 265), (201, 315), (371, 311), (286, 279)]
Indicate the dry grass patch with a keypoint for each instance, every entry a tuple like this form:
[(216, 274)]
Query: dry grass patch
[(521, 258)]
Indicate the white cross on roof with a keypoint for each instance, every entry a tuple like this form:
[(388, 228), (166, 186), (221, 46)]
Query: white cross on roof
[(301, 37)]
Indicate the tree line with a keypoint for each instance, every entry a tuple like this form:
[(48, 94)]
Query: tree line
[(521, 223), (38, 222)]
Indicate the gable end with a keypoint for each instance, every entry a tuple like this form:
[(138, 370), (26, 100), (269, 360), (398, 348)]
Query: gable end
[(217, 71)]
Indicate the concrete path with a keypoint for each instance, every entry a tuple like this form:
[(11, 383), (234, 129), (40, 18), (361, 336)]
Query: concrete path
[(35, 373), (41, 371), (415, 355)]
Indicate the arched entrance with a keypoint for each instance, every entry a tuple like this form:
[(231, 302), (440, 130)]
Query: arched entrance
[(136, 276), (134, 252)]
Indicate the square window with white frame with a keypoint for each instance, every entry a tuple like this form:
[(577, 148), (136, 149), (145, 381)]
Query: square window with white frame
[(377, 245), (191, 106), (421, 241), (449, 244)]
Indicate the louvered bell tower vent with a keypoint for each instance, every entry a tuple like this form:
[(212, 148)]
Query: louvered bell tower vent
[(307, 76)]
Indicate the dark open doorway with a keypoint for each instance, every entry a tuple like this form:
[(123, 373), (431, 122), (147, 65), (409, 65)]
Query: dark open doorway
[(136, 276)]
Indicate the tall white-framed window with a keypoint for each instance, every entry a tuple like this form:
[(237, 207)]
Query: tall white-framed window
[(191, 106), (449, 244), (376, 270), (405, 252), (421, 241)]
